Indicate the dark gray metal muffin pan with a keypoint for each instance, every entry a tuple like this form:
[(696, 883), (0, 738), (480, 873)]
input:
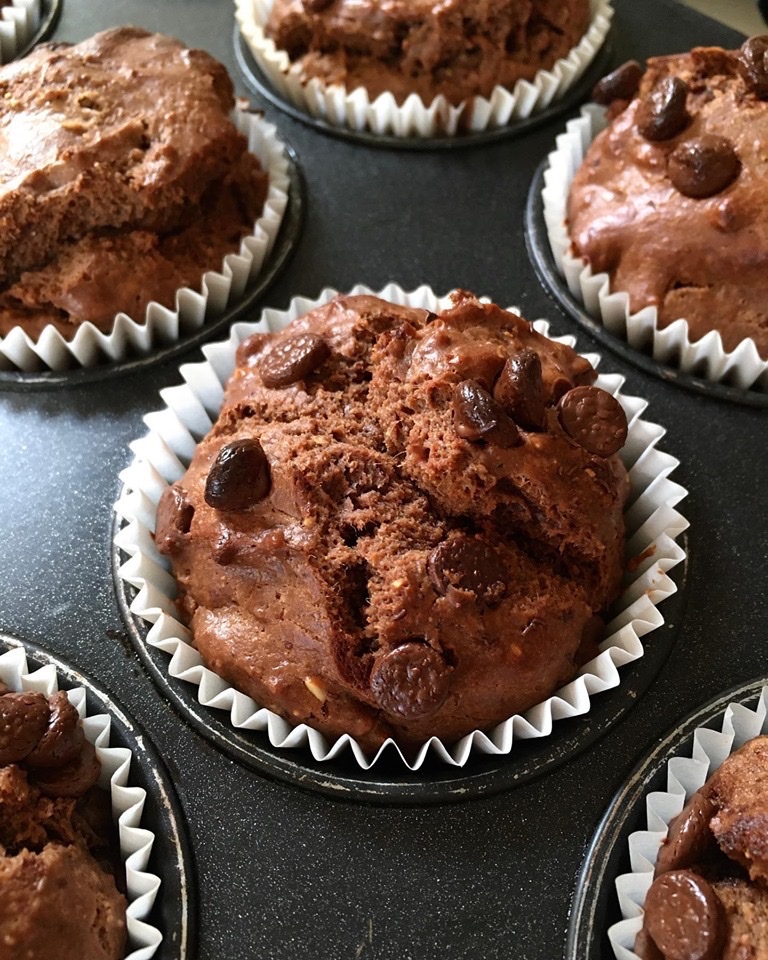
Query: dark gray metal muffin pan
[(291, 873)]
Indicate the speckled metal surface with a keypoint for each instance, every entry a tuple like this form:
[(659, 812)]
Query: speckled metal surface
[(289, 874)]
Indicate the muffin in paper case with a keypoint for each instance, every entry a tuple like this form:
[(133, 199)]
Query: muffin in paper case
[(355, 110), (135, 840), (219, 289), (671, 345), (685, 775), (18, 23), (161, 457)]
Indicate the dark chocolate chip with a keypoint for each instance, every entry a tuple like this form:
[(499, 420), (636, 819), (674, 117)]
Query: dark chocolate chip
[(684, 917), (23, 720), (74, 778), (662, 114), (240, 476), (752, 62), (292, 359), (411, 681), (63, 740), (689, 837), (315, 6), (594, 419), (703, 166), (477, 416), (520, 390), (620, 84), (467, 564)]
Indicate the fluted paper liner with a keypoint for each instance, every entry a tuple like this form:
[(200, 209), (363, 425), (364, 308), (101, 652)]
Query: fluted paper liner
[(18, 23), (162, 456), (355, 110), (671, 345), (685, 775), (127, 801), (161, 326)]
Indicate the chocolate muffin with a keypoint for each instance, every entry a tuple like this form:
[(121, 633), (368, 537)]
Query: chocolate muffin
[(124, 178), (403, 524), (457, 48), (670, 199), (709, 898), (56, 837)]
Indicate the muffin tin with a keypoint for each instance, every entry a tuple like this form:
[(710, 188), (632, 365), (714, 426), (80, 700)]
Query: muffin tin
[(289, 865)]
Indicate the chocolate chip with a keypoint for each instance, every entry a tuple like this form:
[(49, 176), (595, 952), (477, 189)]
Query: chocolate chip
[(477, 416), (315, 6), (411, 681), (467, 564), (594, 419), (620, 84), (74, 778), (689, 836), (63, 740), (662, 114), (520, 390), (292, 359), (684, 917), (752, 62), (703, 166), (240, 476), (23, 720)]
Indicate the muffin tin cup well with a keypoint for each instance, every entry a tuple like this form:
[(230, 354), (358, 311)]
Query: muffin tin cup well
[(223, 296), (160, 886), (618, 870), (667, 352), (148, 589), (335, 109)]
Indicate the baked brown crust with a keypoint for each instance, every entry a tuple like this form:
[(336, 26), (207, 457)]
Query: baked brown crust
[(395, 577), (701, 257), (122, 175), (457, 49)]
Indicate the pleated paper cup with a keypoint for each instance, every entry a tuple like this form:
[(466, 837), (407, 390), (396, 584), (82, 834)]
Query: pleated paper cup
[(219, 290), (685, 775), (135, 840), (18, 23), (161, 458), (670, 344), (356, 110)]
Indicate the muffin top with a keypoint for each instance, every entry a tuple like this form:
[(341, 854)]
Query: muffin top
[(56, 836), (709, 898), (457, 48), (402, 522), (671, 198)]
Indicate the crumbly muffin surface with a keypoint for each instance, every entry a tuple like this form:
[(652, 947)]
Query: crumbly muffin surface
[(457, 48), (389, 531), (117, 153), (670, 199), (57, 843)]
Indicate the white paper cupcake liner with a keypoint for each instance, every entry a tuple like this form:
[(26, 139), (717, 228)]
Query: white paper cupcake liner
[(161, 457), (355, 110), (685, 775), (127, 802), (219, 290), (18, 24), (671, 345)]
